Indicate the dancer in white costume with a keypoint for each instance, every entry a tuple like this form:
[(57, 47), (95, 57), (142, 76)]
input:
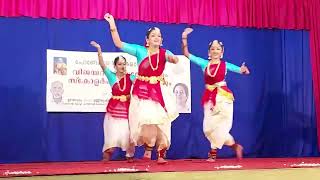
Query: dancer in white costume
[(150, 118), (217, 99), (116, 124)]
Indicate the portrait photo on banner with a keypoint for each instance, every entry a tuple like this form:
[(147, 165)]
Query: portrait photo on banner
[(178, 77)]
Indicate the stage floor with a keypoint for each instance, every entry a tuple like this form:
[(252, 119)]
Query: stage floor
[(185, 165)]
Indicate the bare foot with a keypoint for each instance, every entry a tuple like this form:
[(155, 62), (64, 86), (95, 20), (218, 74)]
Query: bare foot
[(147, 154), (106, 156), (211, 160), (130, 159), (238, 150), (162, 161)]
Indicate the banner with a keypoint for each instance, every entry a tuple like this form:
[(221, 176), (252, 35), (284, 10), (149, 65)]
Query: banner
[(76, 82)]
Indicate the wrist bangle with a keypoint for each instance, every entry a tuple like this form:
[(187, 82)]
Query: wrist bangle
[(184, 38), (113, 29)]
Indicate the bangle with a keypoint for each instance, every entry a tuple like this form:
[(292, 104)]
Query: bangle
[(113, 29), (184, 38)]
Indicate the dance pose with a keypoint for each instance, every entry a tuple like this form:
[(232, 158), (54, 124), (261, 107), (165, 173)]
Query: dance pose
[(217, 99), (116, 124), (150, 121)]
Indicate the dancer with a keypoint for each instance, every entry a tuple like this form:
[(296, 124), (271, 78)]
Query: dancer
[(150, 121), (116, 125), (217, 99)]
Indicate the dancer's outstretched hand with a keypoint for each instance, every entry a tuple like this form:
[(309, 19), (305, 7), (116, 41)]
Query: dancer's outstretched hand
[(108, 17), (95, 44), (244, 69), (186, 32)]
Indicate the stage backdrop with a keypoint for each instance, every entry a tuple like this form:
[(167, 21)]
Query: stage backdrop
[(76, 82), (273, 110)]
